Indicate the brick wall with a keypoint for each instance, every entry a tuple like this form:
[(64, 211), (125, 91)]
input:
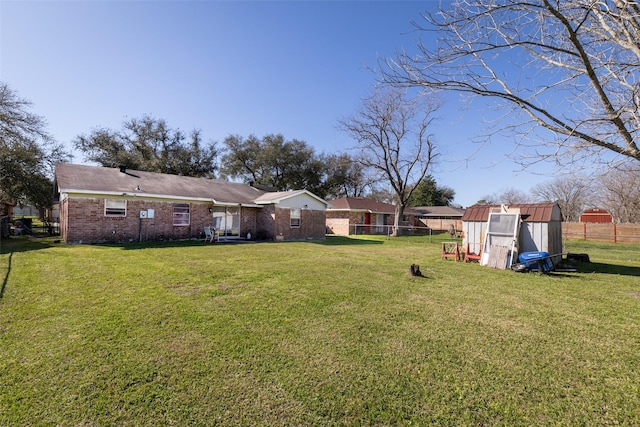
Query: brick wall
[(338, 226), (265, 224), (312, 225), (83, 221)]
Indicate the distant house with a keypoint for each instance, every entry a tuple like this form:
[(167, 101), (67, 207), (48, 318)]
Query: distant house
[(359, 215), (596, 215), (540, 231), (439, 217), (118, 205)]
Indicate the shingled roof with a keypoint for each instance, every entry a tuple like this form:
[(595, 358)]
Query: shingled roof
[(537, 212), (437, 211), (86, 179), (361, 204)]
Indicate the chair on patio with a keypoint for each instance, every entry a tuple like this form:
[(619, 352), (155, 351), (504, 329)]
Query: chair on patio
[(210, 234)]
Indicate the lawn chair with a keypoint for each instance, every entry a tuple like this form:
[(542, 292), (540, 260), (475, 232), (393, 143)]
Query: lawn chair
[(469, 256), (210, 234)]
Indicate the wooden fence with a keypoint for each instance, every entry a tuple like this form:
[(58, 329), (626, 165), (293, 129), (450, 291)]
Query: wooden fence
[(615, 233), (610, 232)]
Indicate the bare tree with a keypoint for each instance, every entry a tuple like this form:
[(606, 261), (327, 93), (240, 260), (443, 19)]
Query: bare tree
[(573, 195), (506, 196), (567, 71), (390, 129), (620, 194)]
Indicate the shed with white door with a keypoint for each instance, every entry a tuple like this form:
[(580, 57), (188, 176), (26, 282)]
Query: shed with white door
[(540, 230)]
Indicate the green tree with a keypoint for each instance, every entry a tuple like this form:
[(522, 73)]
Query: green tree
[(27, 153), (149, 144), (429, 193), (275, 162), (346, 176)]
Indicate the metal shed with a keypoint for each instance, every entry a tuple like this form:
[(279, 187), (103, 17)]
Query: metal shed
[(540, 231)]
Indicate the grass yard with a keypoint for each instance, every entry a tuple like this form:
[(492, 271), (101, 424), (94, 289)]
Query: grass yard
[(332, 333)]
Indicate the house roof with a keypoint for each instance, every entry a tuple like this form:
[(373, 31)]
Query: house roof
[(279, 196), (537, 212), (436, 211), (72, 178), (361, 204), (596, 211)]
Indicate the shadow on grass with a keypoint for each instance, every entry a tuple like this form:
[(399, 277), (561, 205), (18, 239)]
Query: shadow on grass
[(329, 241), (24, 244), (347, 241), (597, 267), (6, 276)]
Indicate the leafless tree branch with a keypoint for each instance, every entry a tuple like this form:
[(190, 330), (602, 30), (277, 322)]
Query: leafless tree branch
[(569, 69)]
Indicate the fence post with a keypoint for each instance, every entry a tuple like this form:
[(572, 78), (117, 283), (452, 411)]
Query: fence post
[(584, 233), (615, 233)]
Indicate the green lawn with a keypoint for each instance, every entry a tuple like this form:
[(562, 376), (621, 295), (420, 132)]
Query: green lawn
[(313, 333)]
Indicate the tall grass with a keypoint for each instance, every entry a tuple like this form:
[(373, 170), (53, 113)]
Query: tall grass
[(313, 333)]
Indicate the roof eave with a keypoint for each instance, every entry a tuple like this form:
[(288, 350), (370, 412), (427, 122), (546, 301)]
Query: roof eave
[(157, 196)]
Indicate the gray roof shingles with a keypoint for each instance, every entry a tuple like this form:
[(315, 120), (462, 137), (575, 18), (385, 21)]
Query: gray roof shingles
[(361, 204), (84, 178)]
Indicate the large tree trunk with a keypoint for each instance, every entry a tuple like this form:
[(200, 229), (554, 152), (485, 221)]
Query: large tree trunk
[(397, 221)]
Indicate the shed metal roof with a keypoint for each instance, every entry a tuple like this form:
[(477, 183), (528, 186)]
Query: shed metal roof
[(536, 212)]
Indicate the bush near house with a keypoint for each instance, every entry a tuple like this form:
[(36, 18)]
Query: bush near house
[(332, 332)]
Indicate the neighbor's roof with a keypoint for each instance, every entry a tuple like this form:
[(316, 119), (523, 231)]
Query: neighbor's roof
[(72, 178), (537, 212), (361, 204), (279, 196), (437, 211)]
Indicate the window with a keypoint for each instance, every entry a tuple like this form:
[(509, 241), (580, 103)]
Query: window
[(181, 215), (295, 217), (114, 207)]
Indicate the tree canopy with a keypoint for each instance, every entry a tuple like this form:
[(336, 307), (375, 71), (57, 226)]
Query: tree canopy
[(149, 144), (564, 72), (27, 153), (284, 165), (429, 193)]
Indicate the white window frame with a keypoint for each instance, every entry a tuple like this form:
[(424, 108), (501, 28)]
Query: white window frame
[(115, 207), (296, 214), (181, 214), (505, 236)]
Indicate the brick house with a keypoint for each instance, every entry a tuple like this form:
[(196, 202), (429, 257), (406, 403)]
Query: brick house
[(361, 215), (439, 218), (118, 205)]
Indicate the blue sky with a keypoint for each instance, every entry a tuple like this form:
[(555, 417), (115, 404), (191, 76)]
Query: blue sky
[(231, 67)]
